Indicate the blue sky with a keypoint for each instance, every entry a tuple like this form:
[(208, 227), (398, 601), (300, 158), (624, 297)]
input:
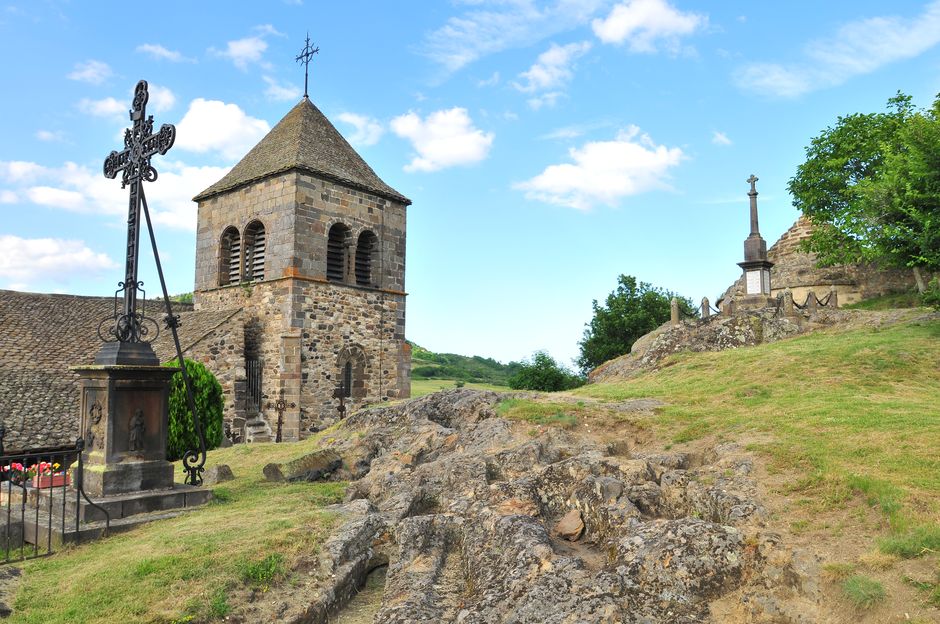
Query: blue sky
[(547, 146)]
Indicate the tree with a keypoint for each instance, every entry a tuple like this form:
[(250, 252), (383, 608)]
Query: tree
[(207, 393), (544, 374), (631, 311), (871, 186)]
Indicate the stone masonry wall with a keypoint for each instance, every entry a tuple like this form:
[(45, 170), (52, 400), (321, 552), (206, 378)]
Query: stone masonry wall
[(297, 210), (327, 317), (302, 321), (270, 201)]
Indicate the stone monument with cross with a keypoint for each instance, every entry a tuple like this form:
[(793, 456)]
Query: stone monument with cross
[(756, 266), (124, 395)]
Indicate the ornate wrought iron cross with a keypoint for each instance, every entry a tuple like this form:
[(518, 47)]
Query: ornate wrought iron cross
[(140, 144), (304, 57), (280, 406)]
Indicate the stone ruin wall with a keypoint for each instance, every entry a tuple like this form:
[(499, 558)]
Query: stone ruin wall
[(797, 271)]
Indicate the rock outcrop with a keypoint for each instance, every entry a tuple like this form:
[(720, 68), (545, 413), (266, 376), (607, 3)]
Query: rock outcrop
[(482, 522)]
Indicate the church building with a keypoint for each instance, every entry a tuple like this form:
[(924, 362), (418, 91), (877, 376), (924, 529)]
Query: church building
[(299, 299), (308, 243)]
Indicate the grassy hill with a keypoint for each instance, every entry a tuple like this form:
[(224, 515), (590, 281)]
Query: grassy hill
[(844, 424), (847, 426), (450, 366)]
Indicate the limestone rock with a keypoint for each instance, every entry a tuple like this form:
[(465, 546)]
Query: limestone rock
[(570, 526)]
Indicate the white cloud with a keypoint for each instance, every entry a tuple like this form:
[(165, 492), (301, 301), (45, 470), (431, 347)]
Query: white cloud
[(858, 47), (446, 138), (21, 171), (56, 198), (248, 50), (492, 81), (82, 190), (157, 51), (48, 136), (647, 25), (720, 138), (244, 51), (268, 29), (93, 72), (553, 68), (161, 99), (278, 92), (491, 26), (171, 198), (368, 130), (545, 99), (28, 259), (603, 172), (214, 126), (107, 107)]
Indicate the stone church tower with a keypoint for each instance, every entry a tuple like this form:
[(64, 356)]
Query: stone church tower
[(308, 243)]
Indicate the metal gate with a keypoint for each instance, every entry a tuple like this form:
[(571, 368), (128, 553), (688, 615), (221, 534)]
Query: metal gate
[(253, 370)]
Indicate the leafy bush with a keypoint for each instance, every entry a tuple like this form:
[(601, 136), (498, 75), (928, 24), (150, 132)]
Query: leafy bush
[(425, 371), (207, 393), (544, 374), (931, 296), (632, 310)]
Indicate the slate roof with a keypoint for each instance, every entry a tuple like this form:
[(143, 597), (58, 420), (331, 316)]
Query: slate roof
[(41, 336), (304, 140)]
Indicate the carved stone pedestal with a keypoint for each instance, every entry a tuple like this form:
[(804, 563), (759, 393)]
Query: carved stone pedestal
[(124, 422)]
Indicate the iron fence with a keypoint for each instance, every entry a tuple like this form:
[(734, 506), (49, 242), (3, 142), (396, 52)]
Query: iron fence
[(41, 495)]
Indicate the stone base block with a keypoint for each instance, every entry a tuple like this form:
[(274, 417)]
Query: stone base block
[(128, 477), (754, 302)]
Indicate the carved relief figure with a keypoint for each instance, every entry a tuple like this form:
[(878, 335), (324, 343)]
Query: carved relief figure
[(93, 439), (136, 442)]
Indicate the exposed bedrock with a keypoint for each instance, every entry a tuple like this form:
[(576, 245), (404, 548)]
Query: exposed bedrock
[(482, 522)]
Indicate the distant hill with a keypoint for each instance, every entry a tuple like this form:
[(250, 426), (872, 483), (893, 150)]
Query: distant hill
[(475, 369)]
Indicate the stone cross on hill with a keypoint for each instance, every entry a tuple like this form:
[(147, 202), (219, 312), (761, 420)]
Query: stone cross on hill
[(753, 195), (140, 144)]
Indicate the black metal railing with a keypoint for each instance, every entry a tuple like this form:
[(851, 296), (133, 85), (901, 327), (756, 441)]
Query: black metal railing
[(253, 371), (39, 493)]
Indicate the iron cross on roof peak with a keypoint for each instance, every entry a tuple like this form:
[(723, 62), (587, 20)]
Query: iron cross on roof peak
[(304, 57)]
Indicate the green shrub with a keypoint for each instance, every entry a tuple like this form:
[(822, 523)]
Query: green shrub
[(544, 374), (425, 371), (263, 572), (931, 296), (207, 393)]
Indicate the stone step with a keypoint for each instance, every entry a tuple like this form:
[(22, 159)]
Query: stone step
[(44, 534), (117, 507)]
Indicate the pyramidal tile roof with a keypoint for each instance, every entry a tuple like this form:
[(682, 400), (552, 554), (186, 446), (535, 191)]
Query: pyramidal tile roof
[(305, 140)]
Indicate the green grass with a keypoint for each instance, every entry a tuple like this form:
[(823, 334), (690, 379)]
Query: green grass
[(910, 299), (563, 415), (421, 387), (253, 534), (863, 592), (850, 413)]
